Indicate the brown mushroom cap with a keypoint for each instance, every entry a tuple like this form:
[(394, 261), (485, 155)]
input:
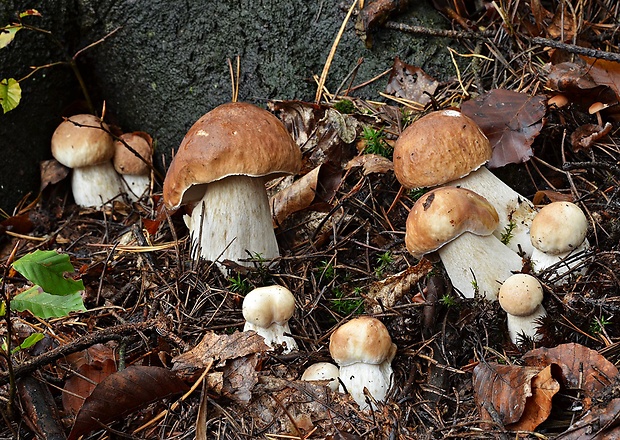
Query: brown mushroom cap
[(559, 227), (125, 161), (232, 139), (363, 339), (82, 145), (441, 215), (439, 147), (520, 295)]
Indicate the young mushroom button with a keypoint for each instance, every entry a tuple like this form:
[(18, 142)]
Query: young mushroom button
[(363, 350), (459, 225), (558, 235), (447, 147), (222, 164), (324, 371), (81, 142), (135, 171), (521, 296), (267, 310)]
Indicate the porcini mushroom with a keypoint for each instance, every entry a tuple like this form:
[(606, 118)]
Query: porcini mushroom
[(267, 311), (363, 350), (223, 163), (324, 371), (459, 225), (521, 298), (447, 147), (558, 234), (134, 170), (81, 142)]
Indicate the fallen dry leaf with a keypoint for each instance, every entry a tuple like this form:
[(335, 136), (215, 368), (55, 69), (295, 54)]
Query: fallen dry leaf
[(371, 164), (601, 423), (124, 392), (510, 120), (553, 196), (562, 25), (52, 172), (604, 72), (521, 396), (239, 378), (576, 83), (585, 136), (581, 367), (391, 289), (219, 348), (411, 83)]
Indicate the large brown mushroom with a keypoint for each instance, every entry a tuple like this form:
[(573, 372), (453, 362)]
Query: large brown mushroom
[(447, 147), (222, 164), (82, 142)]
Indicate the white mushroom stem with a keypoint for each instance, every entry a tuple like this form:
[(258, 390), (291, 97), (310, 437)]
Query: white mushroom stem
[(95, 185), (561, 263), (478, 263), (233, 222), (375, 378), (135, 186), (520, 326), (515, 211), (274, 335)]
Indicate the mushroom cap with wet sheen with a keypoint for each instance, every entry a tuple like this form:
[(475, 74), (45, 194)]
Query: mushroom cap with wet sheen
[(81, 140), (439, 147), (232, 139)]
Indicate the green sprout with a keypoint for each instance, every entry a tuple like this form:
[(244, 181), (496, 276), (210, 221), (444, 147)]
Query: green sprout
[(327, 270), (508, 233), (599, 324), (240, 285), (345, 306), (345, 106), (447, 300), (384, 261), (415, 193), (375, 142)]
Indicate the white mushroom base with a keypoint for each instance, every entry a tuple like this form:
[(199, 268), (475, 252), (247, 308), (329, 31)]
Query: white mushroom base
[(519, 326), (274, 335), (480, 264), (375, 378), (94, 186), (515, 211), (561, 263), (233, 222), (135, 186)]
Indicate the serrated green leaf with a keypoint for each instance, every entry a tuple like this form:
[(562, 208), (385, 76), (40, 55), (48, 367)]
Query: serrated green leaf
[(28, 342), (10, 94), (47, 269), (45, 305), (7, 33)]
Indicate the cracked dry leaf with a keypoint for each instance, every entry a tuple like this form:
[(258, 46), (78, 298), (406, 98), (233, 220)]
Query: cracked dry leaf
[(219, 348), (240, 377), (411, 83), (521, 396), (371, 164), (581, 367), (390, 290)]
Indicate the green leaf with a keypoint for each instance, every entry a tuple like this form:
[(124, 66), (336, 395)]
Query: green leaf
[(10, 93), (7, 34), (28, 342), (29, 12), (44, 305), (47, 269)]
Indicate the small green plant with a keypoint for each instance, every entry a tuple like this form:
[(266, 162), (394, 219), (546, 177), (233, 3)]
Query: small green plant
[(447, 300), (383, 262), (406, 117), (345, 306), (327, 270), (508, 233), (240, 285), (599, 324), (415, 193), (375, 142), (345, 106), (475, 286)]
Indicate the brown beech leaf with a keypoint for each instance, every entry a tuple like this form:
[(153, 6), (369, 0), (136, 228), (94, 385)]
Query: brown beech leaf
[(600, 423), (603, 72), (52, 172), (577, 84), (219, 348), (388, 291), (124, 392), (510, 120), (315, 188), (20, 224), (240, 377), (81, 385), (411, 83), (562, 25), (553, 196), (581, 367), (371, 164), (585, 135), (521, 396)]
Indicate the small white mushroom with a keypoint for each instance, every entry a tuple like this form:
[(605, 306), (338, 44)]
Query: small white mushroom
[(81, 143), (521, 298), (324, 371), (558, 235), (363, 350), (267, 311)]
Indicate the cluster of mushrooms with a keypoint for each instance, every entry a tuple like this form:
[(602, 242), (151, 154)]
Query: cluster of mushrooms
[(103, 168), (481, 229)]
